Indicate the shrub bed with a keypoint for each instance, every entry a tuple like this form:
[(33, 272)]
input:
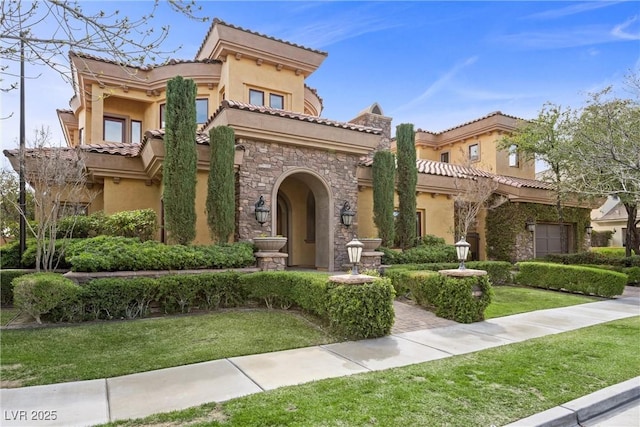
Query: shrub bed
[(130, 254), (633, 273), (593, 257), (572, 278), (353, 311), (452, 298), (499, 271), (431, 250)]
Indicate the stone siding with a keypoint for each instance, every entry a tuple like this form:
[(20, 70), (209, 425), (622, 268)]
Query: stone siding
[(265, 163)]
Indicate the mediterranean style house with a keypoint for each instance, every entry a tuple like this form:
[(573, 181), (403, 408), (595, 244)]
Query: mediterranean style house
[(305, 167)]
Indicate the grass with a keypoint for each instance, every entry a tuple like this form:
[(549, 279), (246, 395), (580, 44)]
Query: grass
[(99, 350), (510, 300), (491, 387), (7, 314)]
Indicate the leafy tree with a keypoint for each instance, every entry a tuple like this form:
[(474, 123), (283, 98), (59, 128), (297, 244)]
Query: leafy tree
[(548, 138), (9, 208), (104, 33), (179, 169), (407, 181), (384, 177), (221, 193), (605, 160)]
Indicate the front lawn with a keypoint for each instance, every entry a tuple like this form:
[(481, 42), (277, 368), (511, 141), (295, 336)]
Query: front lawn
[(491, 387), (508, 300), (107, 349)]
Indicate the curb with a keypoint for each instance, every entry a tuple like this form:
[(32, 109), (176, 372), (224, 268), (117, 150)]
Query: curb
[(584, 408)]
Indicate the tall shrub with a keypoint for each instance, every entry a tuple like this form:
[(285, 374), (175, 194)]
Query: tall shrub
[(221, 193), (384, 175), (407, 180), (179, 169)]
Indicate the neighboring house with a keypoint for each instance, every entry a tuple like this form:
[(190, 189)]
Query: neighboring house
[(612, 218), (303, 165)]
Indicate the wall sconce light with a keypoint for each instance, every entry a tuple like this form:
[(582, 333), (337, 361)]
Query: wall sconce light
[(354, 249), (588, 229), (530, 225), (462, 250), (346, 214), (262, 211)]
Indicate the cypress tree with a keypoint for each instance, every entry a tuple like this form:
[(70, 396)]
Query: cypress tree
[(179, 169), (221, 192), (407, 180), (384, 175)]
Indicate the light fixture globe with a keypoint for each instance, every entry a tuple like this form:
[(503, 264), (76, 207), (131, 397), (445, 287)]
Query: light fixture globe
[(354, 250), (261, 211), (588, 229), (346, 214), (462, 250)]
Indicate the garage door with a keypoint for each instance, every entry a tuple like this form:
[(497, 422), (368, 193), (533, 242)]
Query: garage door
[(549, 239)]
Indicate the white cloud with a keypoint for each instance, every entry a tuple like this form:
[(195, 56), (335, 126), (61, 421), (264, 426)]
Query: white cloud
[(628, 30), (571, 10), (440, 84)]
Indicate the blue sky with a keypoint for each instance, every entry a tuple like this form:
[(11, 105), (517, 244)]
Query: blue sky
[(433, 64)]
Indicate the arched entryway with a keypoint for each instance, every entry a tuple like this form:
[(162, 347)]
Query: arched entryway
[(304, 216)]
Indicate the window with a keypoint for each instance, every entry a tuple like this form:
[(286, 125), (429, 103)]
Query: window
[(256, 97), (114, 129), (276, 101), (71, 209), (136, 131), (81, 136), (474, 152), (513, 156), (162, 122), (419, 224), (202, 110), (444, 157)]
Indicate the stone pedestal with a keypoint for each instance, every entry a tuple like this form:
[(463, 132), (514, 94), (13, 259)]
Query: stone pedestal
[(271, 261), (351, 279), (371, 260)]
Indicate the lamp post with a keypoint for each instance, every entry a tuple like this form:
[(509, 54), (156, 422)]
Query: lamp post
[(354, 249), (262, 211), (462, 250)]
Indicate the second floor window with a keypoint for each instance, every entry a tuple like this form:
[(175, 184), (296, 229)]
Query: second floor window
[(114, 129), (513, 156), (474, 152), (444, 157), (136, 131), (276, 101), (202, 110), (256, 97)]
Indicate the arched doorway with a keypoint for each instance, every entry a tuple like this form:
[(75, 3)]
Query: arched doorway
[(303, 215)]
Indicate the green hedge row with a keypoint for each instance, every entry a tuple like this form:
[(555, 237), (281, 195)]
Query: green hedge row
[(633, 273), (594, 257), (452, 298), (424, 253), (141, 223), (352, 311), (499, 272), (573, 278), (129, 254), (6, 286)]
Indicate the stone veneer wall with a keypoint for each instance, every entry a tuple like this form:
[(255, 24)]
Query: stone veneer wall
[(265, 162), (524, 249), (380, 122)]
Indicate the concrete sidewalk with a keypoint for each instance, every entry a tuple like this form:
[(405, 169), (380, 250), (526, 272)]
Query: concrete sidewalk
[(86, 403)]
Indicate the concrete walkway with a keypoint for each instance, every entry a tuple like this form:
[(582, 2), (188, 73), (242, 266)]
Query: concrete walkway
[(86, 403)]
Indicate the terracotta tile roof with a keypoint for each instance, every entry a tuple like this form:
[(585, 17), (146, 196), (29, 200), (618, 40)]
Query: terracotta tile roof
[(67, 153), (126, 150), (147, 67), (202, 138), (221, 22), (495, 113), (430, 167), (291, 115)]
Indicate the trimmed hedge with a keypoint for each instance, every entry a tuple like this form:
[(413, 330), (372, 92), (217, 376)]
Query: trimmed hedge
[(594, 257), (633, 273), (41, 293), (572, 278), (129, 254), (499, 271), (6, 285), (451, 297), (353, 311), (426, 253)]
